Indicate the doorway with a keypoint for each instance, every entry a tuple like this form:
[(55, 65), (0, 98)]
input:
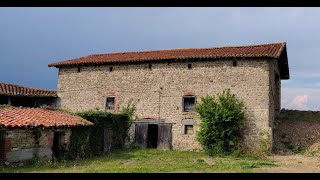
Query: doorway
[(57, 145), (2, 147), (152, 136)]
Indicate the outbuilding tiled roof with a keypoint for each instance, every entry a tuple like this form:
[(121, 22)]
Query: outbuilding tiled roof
[(24, 117), (274, 51), (17, 90)]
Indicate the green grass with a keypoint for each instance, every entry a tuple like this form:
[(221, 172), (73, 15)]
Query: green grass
[(147, 161)]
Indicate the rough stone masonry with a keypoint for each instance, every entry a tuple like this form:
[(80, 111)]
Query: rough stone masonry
[(157, 88)]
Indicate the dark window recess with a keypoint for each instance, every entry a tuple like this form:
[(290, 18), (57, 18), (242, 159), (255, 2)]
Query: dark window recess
[(188, 103), (189, 66), (188, 129), (79, 69), (235, 63), (150, 66), (110, 68), (110, 103), (4, 99)]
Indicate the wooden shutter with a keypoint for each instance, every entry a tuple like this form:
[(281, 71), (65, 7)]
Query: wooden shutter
[(188, 104), (141, 134), (164, 136)]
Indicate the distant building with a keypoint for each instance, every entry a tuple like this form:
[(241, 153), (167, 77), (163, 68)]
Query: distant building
[(164, 85), (16, 95)]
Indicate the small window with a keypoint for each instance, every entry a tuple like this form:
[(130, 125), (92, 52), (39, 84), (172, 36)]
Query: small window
[(188, 103), (188, 129), (110, 69), (79, 69), (189, 66), (110, 103), (235, 63), (150, 66)]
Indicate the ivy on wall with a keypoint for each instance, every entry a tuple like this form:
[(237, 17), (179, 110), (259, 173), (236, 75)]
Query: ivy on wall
[(88, 141)]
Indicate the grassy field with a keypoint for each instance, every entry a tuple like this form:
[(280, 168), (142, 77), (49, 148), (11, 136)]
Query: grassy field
[(147, 161)]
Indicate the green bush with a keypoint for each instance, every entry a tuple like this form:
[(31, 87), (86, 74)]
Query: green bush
[(221, 122)]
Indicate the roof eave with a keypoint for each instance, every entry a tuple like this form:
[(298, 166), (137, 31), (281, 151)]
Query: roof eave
[(162, 59)]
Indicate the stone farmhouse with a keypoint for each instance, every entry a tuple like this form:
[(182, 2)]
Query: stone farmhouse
[(164, 85)]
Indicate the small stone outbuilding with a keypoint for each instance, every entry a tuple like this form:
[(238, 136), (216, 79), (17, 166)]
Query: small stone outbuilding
[(17, 95), (34, 132)]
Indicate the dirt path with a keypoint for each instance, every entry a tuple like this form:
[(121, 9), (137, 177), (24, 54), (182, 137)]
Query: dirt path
[(293, 164)]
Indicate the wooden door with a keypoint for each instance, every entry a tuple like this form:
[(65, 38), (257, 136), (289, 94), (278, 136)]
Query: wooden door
[(107, 140), (164, 136), (141, 134)]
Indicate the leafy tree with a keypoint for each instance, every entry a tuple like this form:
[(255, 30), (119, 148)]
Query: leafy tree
[(222, 119)]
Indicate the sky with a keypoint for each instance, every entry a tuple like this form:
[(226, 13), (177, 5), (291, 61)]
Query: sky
[(32, 38)]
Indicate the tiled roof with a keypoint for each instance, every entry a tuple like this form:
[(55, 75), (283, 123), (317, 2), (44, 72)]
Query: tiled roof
[(274, 50), (17, 90), (32, 117)]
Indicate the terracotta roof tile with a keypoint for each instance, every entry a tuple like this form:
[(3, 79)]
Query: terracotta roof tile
[(32, 117), (17, 90), (273, 50)]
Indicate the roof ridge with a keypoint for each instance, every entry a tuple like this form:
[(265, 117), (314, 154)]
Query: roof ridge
[(181, 49)]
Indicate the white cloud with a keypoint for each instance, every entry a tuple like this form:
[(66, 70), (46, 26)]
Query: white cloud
[(299, 102), (300, 98)]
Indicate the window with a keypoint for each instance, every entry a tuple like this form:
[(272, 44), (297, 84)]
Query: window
[(79, 69), (188, 126), (188, 103), (110, 103), (150, 66), (188, 129), (110, 69), (234, 63), (189, 66)]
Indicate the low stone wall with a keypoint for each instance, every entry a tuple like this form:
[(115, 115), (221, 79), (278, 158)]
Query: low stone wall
[(296, 131), (21, 145)]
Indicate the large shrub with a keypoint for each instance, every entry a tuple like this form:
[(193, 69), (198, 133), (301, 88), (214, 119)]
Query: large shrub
[(221, 122)]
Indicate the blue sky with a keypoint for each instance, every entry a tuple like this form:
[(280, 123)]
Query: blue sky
[(31, 38)]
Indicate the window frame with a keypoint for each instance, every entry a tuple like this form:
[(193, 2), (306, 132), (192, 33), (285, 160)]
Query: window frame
[(185, 130), (114, 103), (183, 103), (188, 122)]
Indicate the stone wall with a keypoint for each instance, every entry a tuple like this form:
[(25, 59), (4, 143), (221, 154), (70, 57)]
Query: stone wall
[(158, 92), (296, 130), (21, 145)]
